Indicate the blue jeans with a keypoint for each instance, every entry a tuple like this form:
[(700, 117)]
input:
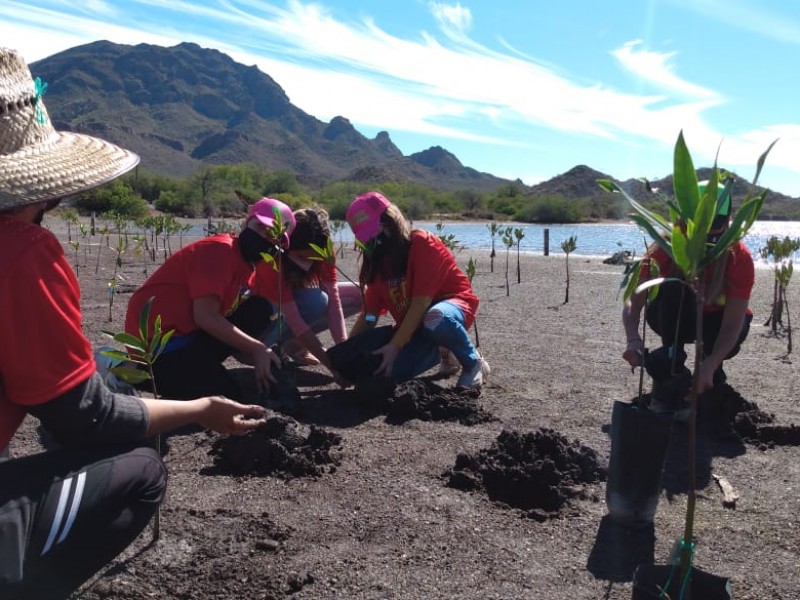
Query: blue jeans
[(442, 325), (313, 306)]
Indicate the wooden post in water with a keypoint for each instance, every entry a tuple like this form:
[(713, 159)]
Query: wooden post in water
[(546, 241)]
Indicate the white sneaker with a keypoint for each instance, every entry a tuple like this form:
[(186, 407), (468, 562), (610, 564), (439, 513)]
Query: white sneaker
[(448, 365), (474, 377)]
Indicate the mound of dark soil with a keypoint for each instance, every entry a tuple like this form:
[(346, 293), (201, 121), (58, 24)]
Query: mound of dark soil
[(282, 447), (537, 472), (424, 400)]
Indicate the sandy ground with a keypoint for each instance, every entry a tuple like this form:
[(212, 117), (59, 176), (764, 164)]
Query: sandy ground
[(383, 523)]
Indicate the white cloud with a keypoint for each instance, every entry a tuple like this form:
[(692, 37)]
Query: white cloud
[(452, 17), (656, 68)]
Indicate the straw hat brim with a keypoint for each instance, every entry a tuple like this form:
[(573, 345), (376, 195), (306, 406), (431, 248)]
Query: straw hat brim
[(64, 164)]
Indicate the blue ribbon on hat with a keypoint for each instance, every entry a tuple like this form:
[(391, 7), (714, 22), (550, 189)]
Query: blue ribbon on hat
[(40, 89)]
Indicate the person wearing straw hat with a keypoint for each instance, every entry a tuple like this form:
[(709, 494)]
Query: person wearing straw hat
[(67, 512), (729, 282), (206, 293)]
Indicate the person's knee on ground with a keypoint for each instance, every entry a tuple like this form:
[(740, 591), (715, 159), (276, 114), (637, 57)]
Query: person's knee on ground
[(449, 332)]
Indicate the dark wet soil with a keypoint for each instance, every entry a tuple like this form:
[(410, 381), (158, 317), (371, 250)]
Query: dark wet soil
[(752, 425), (283, 447), (537, 472), (423, 399)]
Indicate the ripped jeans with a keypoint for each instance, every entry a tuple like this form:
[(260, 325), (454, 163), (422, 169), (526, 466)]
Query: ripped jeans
[(443, 325)]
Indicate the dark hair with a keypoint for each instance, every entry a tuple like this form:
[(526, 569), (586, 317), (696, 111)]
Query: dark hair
[(311, 228), (387, 255)]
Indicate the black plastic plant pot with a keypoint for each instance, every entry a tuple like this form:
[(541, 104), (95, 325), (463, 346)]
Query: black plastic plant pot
[(664, 581), (639, 443), (353, 359)]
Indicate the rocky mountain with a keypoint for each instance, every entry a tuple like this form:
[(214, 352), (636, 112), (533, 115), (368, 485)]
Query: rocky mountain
[(184, 106), (581, 182)]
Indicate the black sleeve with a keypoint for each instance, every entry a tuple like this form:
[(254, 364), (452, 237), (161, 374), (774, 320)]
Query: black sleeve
[(90, 414)]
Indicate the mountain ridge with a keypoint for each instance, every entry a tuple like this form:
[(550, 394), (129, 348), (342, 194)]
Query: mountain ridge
[(185, 106)]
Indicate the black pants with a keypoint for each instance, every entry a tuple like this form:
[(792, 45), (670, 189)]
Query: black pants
[(196, 369), (672, 315), (65, 514)]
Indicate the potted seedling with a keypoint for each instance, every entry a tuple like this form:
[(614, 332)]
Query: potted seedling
[(568, 246), (142, 350), (685, 239)]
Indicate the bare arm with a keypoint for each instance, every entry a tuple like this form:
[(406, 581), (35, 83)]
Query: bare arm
[(631, 319), (215, 412)]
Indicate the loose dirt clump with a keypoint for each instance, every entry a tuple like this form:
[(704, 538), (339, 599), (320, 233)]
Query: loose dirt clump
[(282, 447), (424, 400), (537, 472)]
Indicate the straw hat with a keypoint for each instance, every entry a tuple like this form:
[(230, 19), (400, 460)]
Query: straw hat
[(38, 163)]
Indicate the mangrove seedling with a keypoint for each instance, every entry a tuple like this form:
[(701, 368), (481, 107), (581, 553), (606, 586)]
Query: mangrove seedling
[(508, 240), (143, 350), (568, 246), (495, 229), (448, 239), (519, 234), (685, 240), (328, 255), (781, 252), (472, 266)]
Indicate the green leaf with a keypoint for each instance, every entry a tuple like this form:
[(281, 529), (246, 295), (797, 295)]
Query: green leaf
[(131, 375), (131, 341), (762, 159), (164, 341), (684, 180), (144, 319), (650, 283), (115, 354)]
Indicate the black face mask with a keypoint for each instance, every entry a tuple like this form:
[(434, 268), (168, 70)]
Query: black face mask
[(252, 245)]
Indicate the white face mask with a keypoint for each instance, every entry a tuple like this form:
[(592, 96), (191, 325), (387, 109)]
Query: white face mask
[(303, 263)]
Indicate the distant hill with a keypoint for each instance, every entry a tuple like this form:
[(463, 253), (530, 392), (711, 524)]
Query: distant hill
[(184, 106), (581, 182)]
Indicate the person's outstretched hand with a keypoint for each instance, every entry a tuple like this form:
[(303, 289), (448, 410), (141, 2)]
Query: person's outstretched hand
[(388, 354), (226, 416), (262, 365)]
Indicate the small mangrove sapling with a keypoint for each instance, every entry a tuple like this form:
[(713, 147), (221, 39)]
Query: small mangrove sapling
[(568, 246), (495, 229), (144, 350), (519, 234), (472, 267), (508, 241)]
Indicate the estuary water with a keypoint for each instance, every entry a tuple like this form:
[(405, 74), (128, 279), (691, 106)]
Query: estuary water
[(593, 239)]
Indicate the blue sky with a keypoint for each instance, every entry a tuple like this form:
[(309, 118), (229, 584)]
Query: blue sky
[(520, 89)]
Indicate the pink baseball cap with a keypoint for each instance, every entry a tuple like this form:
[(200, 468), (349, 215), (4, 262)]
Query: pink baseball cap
[(364, 215), (264, 212)]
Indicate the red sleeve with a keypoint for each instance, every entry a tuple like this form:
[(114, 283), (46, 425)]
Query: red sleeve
[(741, 273), (44, 352)]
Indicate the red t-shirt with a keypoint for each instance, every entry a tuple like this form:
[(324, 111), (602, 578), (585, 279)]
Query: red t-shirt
[(432, 271), (212, 266), (43, 352), (740, 275)]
